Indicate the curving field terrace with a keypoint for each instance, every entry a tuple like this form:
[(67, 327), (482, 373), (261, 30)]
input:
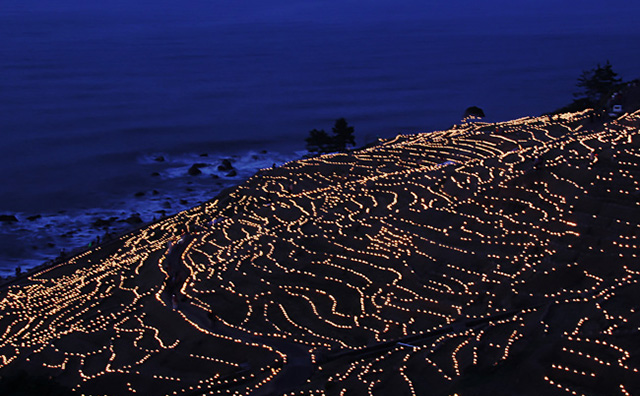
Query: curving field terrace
[(488, 258)]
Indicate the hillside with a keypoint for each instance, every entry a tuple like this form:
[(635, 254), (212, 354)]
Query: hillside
[(488, 258)]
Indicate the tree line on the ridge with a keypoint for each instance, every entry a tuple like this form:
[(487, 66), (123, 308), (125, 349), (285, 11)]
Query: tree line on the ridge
[(596, 87)]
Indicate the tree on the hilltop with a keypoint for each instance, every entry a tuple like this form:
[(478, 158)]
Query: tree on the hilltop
[(596, 84), (343, 134), (319, 142), (472, 113)]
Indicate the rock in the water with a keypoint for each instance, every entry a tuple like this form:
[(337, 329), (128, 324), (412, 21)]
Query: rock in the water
[(215, 176), (155, 192), (194, 170), (155, 174), (34, 217), (204, 155), (104, 222), (8, 218), (133, 219), (232, 173), (159, 159), (183, 202), (225, 166), (139, 194)]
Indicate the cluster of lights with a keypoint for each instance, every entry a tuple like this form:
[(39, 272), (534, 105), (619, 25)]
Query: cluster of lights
[(463, 238)]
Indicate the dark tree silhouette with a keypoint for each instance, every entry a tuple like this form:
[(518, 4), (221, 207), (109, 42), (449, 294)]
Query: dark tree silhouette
[(343, 134), (472, 112), (596, 84), (319, 142)]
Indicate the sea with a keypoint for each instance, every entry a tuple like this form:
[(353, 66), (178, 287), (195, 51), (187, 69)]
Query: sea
[(104, 106)]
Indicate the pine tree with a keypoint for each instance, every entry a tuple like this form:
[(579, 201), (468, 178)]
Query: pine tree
[(596, 84), (343, 134), (319, 142)]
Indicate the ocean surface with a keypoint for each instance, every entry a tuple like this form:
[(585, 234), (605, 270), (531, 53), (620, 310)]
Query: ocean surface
[(103, 108)]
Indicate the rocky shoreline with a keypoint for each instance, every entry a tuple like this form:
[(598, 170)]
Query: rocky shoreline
[(34, 239)]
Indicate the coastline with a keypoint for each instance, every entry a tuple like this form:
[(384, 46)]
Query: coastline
[(194, 178), (39, 237)]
